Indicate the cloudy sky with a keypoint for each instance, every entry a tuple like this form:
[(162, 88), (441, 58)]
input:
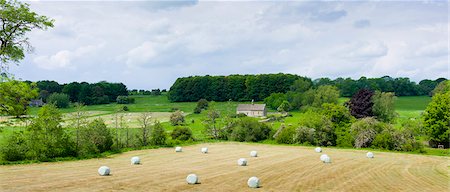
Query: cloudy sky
[(149, 44)]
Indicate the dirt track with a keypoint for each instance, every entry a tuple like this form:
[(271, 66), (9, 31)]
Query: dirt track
[(280, 168)]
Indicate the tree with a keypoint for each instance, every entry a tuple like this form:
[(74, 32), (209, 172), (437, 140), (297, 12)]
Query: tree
[(342, 120), (284, 107), (16, 20), (60, 100), (78, 121), (301, 85), (177, 118), (95, 138), (182, 133), (46, 137), (365, 130), (436, 119), (383, 106), (361, 103), (211, 128), (201, 104), (15, 97), (145, 122), (275, 100), (325, 94), (158, 134), (442, 87)]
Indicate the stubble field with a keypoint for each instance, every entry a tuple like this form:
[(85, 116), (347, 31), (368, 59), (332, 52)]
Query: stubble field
[(280, 168)]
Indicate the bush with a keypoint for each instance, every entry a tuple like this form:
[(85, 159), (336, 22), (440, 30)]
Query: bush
[(176, 118), (157, 135), (182, 134), (286, 135), (393, 139), (15, 147), (125, 108), (125, 100), (250, 130), (95, 138), (365, 130), (317, 128), (60, 100), (197, 110)]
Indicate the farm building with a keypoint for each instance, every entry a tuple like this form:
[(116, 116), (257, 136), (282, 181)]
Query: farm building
[(252, 110)]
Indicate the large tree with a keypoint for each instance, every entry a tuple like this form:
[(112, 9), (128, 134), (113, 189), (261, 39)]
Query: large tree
[(16, 19), (361, 104), (437, 119), (15, 97)]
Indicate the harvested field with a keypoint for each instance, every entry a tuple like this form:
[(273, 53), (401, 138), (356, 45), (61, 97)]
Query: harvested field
[(279, 168)]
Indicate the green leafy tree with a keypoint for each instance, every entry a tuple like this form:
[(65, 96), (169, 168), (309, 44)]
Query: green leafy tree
[(15, 97), (275, 100), (60, 100), (342, 120), (301, 85), (442, 87), (158, 134), (95, 138), (182, 134), (284, 107), (16, 20), (384, 106), (46, 137), (325, 94), (436, 119), (212, 128)]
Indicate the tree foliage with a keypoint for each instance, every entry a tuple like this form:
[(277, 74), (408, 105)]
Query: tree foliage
[(60, 100), (157, 135), (177, 118), (384, 106), (95, 138), (234, 87), (436, 119), (15, 97), (16, 20), (361, 103)]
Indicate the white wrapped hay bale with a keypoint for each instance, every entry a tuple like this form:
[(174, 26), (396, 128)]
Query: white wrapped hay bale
[(104, 171), (322, 157), (242, 162), (253, 182), (318, 149), (135, 161), (369, 155), (253, 154), (178, 149), (192, 179), (327, 159), (205, 150)]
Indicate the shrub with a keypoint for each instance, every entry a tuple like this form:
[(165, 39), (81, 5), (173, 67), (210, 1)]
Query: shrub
[(176, 118), (197, 110), (15, 147), (365, 130), (125, 100), (60, 100), (95, 138), (317, 128), (248, 129), (182, 133), (202, 104), (125, 108), (286, 135), (157, 135)]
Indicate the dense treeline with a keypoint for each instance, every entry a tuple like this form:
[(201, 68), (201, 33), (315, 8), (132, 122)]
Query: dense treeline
[(88, 93), (234, 87), (258, 87), (400, 86)]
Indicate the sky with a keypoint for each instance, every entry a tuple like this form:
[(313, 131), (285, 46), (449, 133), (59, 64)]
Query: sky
[(148, 45)]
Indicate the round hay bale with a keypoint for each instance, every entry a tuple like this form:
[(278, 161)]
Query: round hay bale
[(242, 162), (135, 161), (369, 155), (318, 150), (327, 159), (253, 154), (205, 150), (253, 182), (104, 171), (192, 179), (322, 157), (178, 149)]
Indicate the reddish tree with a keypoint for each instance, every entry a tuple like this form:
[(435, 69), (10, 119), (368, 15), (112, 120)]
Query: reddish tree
[(361, 103)]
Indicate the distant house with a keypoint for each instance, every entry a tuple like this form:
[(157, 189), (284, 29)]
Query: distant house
[(252, 110), (36, 103)]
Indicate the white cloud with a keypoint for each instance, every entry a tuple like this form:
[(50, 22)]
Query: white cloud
[(63, 59), (150, 44), (433, 50)]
